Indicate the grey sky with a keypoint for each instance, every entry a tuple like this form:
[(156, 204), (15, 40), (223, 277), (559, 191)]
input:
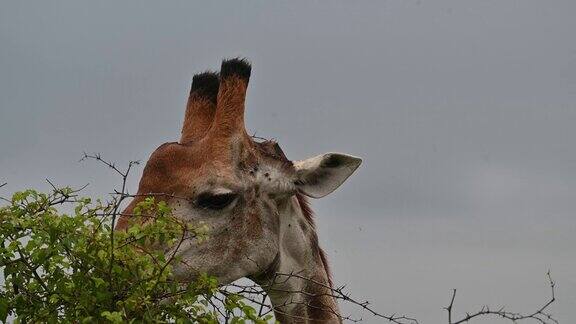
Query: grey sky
[(464, 113)]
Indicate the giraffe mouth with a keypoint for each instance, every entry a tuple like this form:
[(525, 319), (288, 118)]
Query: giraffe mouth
[(267, 273)]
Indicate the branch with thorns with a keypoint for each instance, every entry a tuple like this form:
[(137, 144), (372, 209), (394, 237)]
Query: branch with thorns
[(251, 292), (540, 315)]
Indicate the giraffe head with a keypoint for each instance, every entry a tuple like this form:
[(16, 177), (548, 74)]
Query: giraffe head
[(243, 190)]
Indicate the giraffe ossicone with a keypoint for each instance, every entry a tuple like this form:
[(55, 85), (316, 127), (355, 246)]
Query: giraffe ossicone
[(251, 197)]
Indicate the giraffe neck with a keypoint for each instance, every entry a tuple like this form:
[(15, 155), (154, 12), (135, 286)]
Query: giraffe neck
[(298, 282), (302, 297)]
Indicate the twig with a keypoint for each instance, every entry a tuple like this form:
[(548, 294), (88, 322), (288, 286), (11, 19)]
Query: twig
[(539, 315), (117, 203)]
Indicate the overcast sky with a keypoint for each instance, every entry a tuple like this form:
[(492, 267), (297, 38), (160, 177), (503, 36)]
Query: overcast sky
[(464, 113)]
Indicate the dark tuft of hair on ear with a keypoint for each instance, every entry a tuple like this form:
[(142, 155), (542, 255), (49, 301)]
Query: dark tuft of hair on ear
[(333, 161), (239, 67), (205, 85)]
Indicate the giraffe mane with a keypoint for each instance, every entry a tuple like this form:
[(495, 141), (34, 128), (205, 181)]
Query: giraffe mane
[(309, 216)]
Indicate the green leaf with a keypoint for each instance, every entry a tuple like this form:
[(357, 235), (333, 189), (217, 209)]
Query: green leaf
[(3, 309), (114, 317)]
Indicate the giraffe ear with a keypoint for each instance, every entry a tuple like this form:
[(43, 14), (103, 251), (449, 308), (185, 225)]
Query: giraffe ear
[(322, 174)]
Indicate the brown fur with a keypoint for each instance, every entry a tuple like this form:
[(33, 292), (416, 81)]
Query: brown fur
[(229, 117), (201, 107), (199, 115)]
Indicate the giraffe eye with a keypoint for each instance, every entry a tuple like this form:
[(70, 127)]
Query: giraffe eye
[(213, 201)]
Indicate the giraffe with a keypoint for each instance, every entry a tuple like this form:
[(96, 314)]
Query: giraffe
[(253, 199)]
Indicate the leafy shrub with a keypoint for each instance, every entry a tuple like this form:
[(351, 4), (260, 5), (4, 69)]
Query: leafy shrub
[(73, 267)]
